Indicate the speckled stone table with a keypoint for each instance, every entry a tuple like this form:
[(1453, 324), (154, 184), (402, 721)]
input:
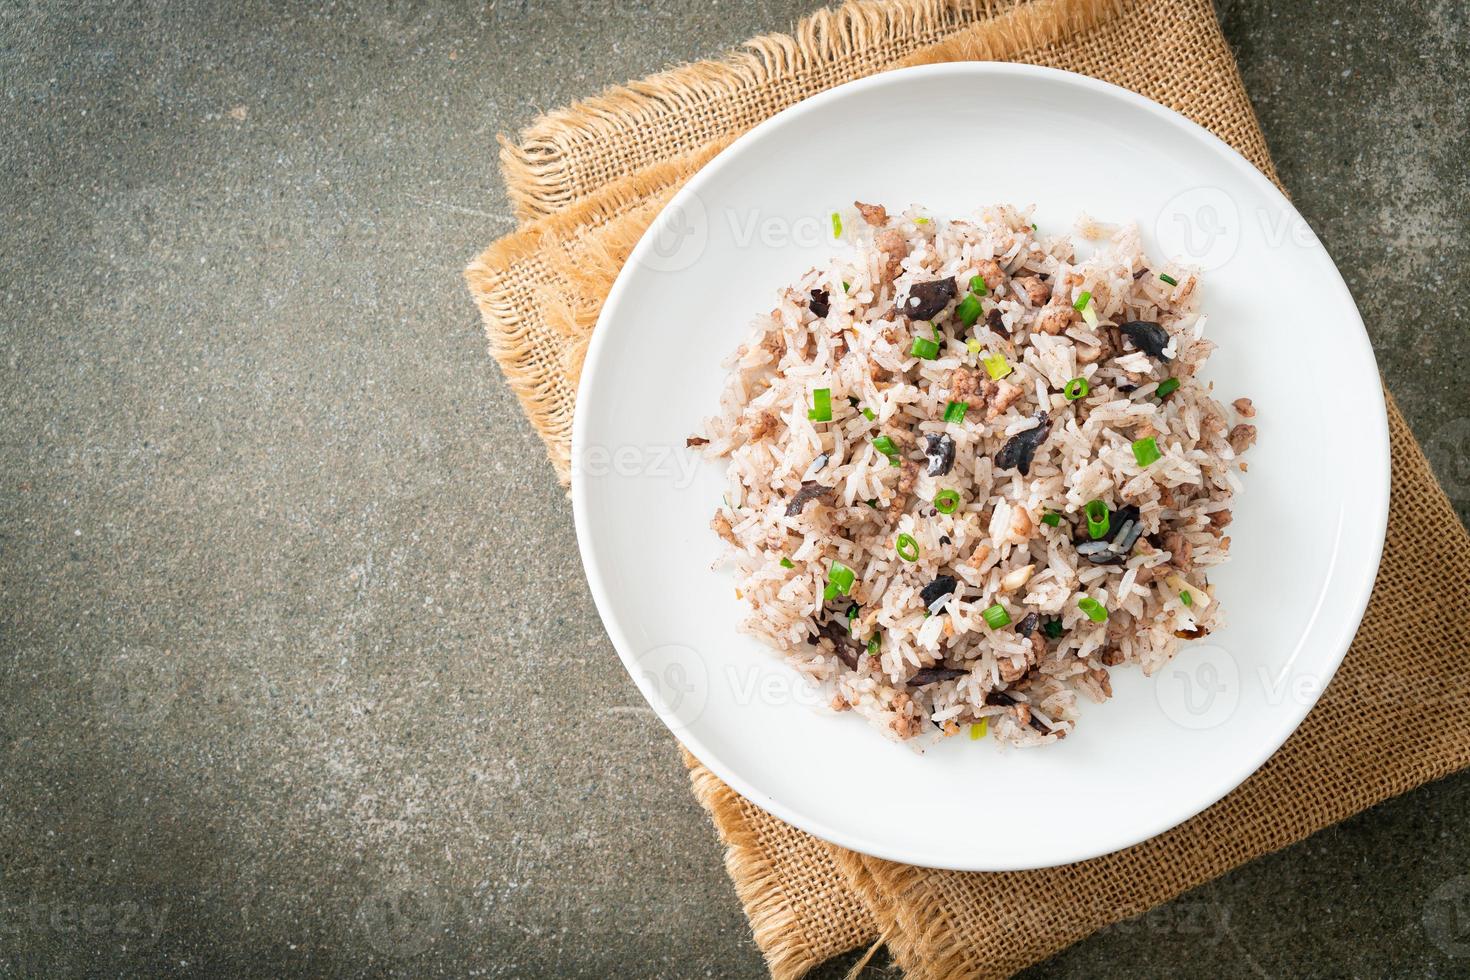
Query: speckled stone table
[(297, 671)]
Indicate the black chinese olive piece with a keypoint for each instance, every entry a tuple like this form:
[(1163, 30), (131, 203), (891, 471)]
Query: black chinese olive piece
[(943, 585), (933, 675), (820, 304), (926, 299), (810, 490), (1018, 452), (939, 450), (1147, 336)]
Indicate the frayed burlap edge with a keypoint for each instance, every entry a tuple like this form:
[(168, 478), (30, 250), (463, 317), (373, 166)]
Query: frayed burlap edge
[(539, 173), (549, 403), (774, 924)]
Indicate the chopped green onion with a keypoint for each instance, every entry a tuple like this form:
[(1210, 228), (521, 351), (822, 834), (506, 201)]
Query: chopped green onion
[(969, 310), (1168, 278), (836, 225), (886, 446), (869, 414), (978, 286), (946, 501), (1075, 389), (1092, 608), (1098, 520), (1051, 518), (1186, 598), (875, 643), (1166, 388), (972, 345), (839, 580), (927, 349), (1052, 628), (955, 411), (1146, 451), (852, 612), (996, 616), (996, 366), (978, 730), (787, 563), (1082, 301), (907, 547), (1033, 226), (872, 503), (846, 285), (935, 327), (921, 221), (821, 410)]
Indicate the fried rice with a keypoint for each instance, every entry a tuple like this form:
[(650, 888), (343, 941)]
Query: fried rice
[(971, 471)]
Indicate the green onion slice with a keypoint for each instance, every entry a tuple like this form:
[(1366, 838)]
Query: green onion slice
[(886, 446), (846, 285), (1186, 598), (839, 580), (972, 345), (1166, 388), (968, 310), (907, 547), (1082, 301), (978, 730), (946, 501), (1052, 628), (869, 414), (996, 616), (821, 410), (1092, 608), (836, 225), (1097, 518), (1075, 389), (1146, 451), (1168, 278), (996, 366), (955, 411), (978, 286), (1051, 518), (875, 643), (787, 563), (925, 348)]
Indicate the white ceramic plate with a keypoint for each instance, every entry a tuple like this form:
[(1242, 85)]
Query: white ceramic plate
[(1308, 529)]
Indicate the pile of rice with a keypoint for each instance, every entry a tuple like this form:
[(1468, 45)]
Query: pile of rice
[(919, 664)]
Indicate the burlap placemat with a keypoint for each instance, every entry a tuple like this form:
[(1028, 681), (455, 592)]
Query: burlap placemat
[(588, 179)]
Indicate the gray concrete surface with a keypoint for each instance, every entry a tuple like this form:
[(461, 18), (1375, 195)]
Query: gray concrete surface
[(291, 617)]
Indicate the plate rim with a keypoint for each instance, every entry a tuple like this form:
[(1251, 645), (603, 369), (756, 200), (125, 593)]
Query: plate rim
[(1340, 638)]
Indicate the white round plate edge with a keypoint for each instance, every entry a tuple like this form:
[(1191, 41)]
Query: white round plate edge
[(1375, 442)]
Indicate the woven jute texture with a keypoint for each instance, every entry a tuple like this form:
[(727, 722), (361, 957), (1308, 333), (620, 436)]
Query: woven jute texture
[(587, 180)]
